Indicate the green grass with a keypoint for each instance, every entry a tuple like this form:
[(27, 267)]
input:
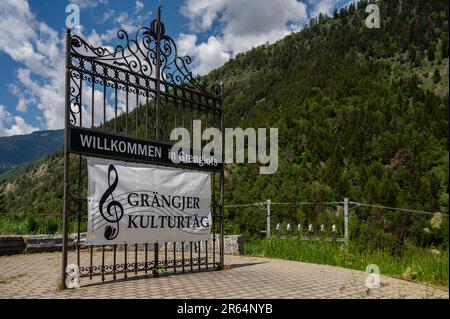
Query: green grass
[(35, 225), (417, 264)]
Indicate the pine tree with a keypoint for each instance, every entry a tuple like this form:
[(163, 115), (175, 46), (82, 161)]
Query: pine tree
[(436, 76), (431, 54)]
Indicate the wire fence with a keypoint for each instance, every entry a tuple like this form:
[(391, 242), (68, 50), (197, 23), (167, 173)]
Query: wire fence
[(263, 205), (333, 221)]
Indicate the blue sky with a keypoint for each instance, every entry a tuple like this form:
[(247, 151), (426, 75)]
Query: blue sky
[(210, 31)]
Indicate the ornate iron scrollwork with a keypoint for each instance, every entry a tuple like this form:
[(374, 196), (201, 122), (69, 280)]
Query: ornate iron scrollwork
[(138, 54)]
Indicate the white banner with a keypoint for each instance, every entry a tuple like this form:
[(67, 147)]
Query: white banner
[(133, 203)]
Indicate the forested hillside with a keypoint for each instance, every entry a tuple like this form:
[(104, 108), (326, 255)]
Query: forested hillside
[(362, 113)]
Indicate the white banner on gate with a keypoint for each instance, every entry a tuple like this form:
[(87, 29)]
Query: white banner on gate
[(135, 203)]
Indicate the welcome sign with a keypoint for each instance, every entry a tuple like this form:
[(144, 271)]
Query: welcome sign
[(134, 203), (99, 144)]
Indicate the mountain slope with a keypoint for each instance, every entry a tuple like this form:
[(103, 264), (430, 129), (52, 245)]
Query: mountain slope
[(362, 113), (18, 149), (359, 111)]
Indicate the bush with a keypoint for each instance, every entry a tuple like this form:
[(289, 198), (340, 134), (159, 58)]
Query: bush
[(31, 224)]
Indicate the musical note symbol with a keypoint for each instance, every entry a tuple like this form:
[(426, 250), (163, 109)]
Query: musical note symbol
[(112, 215)]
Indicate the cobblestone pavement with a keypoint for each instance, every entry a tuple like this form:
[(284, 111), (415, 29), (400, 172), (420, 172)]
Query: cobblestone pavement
[(36, 276)]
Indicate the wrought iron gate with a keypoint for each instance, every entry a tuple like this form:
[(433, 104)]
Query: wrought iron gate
[(140, 89)]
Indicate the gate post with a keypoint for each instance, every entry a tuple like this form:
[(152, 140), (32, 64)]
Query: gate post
[(158, 73), (157, 109), (268, 218), (222, 181), (66, 163)]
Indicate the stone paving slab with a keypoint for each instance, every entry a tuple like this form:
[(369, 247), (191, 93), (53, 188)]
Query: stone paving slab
[(36, 276)]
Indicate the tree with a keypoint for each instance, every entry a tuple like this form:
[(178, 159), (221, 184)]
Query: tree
[(431, 54), (436, 76), (444, 47)]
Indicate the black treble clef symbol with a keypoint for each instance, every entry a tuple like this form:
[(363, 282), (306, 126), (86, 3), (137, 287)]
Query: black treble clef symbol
[(111, 215)]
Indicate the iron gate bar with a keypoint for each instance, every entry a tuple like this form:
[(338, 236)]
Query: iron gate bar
[(135, 258), (66, 162), (198, 259), (174, 257), (146, 246), (206, 250), (103, 263), (91, 256), (182, 256), (92, 102), (156, 262), (114, 261), (222, 181), (126, 264), (165, 255), (190, 246)]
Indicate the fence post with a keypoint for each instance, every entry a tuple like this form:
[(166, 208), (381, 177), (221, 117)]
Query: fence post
[(268, 218), (346, 234)]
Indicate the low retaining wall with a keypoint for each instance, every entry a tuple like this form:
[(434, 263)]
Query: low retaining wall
[(10, 245)]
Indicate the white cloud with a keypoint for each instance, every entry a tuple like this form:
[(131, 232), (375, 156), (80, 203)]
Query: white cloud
[(21, 105), (30, 43), (139, 6), (88, 3), (202, 13), (242, 25), (17, 125), (99, 40), (323, 6), (20, 127), (107, 14), (24, 101), (209, 55), (122, 21), (40, 50)]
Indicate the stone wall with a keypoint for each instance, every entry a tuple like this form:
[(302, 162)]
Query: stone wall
[(9, 245)]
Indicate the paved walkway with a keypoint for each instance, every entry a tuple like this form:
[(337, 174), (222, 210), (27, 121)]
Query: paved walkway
[(36, 276)]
